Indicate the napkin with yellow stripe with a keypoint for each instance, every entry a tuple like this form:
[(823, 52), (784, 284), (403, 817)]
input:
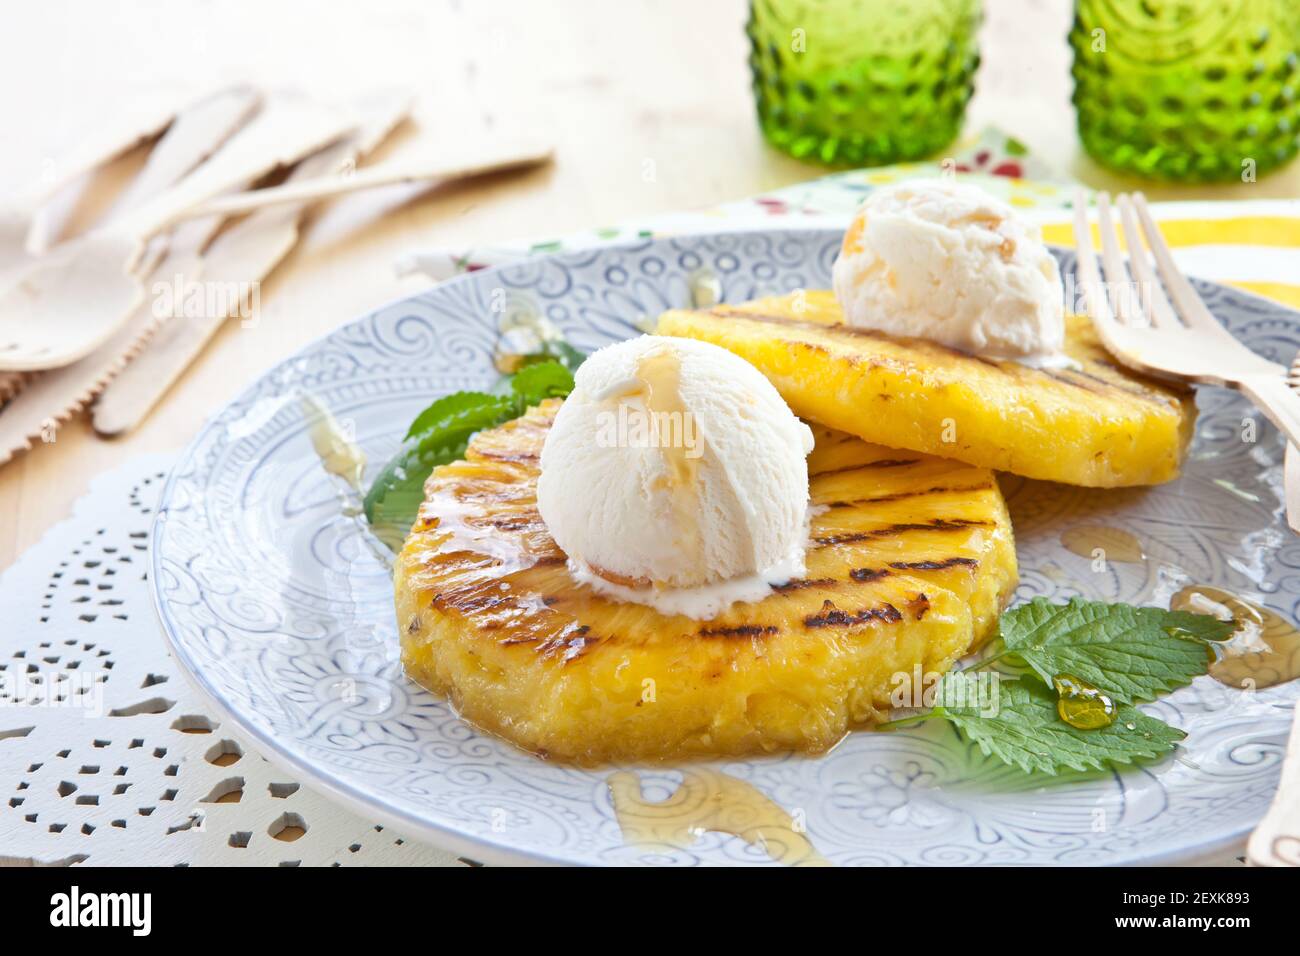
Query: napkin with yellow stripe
[(1253, 245)]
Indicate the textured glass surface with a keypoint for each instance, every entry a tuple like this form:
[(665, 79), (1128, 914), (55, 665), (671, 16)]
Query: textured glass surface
[(1190, 90), (862, 82)]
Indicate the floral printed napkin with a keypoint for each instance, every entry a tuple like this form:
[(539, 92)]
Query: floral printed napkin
[(1251, 244)]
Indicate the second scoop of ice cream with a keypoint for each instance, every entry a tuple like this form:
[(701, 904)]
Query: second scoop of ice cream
[(675, 476), (948, 262)]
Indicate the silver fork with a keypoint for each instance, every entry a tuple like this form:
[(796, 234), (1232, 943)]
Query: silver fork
[(1181, 340)]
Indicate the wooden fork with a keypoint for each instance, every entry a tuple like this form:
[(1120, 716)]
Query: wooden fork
[(1291, 463), (1181, 340)]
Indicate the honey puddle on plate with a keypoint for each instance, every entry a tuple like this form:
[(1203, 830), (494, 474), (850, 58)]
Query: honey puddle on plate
[(1263, 651), (708, 800), (1101, 541)]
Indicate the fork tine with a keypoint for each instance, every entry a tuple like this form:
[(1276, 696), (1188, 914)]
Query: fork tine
[(1086, 264), (1188, 303), (1155, 302), (1112, 263)]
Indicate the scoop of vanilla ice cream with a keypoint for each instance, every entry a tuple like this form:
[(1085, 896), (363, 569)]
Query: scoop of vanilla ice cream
[(674, 464), (946, 261)]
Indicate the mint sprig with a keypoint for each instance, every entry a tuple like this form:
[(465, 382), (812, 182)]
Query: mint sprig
[(1131, 653), (1020, 726), (441, 433)]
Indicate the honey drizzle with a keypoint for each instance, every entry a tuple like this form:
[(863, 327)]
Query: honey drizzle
[(1081, 705), (709, 801), (338, 453), (1115, 544), (1263, 651), (660, 375)]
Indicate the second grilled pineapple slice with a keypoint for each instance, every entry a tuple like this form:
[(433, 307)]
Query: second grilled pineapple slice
[(1098, 425), (911, 561)]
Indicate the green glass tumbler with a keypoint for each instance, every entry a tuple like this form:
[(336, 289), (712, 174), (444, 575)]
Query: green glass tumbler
[(1188, 90), (862, 82)]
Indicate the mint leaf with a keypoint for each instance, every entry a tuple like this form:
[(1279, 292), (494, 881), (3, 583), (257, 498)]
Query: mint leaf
[(539, 381), (438, 435), (441, 433), (394, 499), (1017, 722), (1131, 653), (448, 411)]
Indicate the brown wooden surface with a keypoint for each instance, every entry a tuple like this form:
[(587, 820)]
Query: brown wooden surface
[(614, 83)]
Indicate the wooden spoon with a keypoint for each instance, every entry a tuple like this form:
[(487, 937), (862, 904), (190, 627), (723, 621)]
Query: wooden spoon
[(61, 311), (245, 252), (145, 119), (71, 301)]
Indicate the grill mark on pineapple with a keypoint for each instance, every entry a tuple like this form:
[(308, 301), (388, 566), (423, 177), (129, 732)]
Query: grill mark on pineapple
[(864, 575), (938, 524), (1096, 385), (470, 600), (741, 630), (934, 565), (882, 463), (569, 643), (798, 584), (903, 495), (869, 574), (467, 493), (525, 521), (832, 330), (1008, 368), (1121, 386), (1156, 390), (831, 616), (1057, 376), (516, 457)]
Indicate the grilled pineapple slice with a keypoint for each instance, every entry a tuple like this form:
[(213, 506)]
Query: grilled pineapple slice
[(912, 559), (1099, 425)]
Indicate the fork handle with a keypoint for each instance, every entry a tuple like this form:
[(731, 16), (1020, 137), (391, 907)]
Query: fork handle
[(1277, 400), (1291, 486), (1276, 841), (494, 159)]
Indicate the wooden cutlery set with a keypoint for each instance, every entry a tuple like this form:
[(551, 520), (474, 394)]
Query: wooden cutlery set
[(96, 318)]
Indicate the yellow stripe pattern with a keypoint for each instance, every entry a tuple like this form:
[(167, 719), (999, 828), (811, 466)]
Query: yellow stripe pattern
[(1273, 231)]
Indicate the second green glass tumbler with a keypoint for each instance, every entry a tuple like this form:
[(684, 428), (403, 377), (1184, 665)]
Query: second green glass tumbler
[(862, 82), (1188, 90)]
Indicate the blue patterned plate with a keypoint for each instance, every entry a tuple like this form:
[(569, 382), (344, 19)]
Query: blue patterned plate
[(279, 608)]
